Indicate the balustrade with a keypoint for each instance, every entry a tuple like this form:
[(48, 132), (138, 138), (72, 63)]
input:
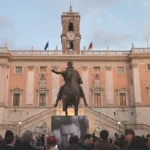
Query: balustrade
[(58, 52), (142, 50), (137, 126), (2, 49)]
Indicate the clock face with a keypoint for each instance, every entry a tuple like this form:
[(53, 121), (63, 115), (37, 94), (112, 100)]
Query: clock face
[(70, 35)]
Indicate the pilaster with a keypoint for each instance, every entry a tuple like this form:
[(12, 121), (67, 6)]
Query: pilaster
[(55, 84), (30, 85), (109, 86), (3, 82), (85, 78), (136, 83)]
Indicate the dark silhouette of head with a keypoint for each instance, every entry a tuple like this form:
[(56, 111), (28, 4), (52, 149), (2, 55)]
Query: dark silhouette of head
[(88, 139), (104, 134), (74, 140), (70, 64)]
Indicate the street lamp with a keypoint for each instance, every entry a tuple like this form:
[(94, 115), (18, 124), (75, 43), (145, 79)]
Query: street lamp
[(119, 126), (19, 127)]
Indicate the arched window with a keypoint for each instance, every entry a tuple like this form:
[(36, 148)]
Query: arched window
[(70, 26)]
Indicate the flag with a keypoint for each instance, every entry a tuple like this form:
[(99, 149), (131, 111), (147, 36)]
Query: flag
[(46, 46), (90, 46)]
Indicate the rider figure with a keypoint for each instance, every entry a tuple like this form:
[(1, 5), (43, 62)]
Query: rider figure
[(79, 80)]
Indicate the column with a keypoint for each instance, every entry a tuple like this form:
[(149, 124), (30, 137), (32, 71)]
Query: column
[(55, 85), (85, 78), (3, 82), (30, 86), (109, 86), (136, 84)]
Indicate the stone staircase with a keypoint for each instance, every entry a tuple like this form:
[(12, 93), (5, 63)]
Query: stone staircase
[(96, 120), (104, 121)]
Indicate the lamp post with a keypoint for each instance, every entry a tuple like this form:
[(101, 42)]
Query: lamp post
[(119, 126), (19, 127)]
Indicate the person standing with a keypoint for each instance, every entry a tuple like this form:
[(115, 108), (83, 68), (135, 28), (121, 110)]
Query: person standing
[(9, 141), (87, 143), (104, 144), (134, 142)]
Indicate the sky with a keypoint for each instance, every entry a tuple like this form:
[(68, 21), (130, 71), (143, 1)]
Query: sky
[(113, 23)]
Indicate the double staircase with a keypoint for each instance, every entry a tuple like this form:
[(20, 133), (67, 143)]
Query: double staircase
[(97, 122)]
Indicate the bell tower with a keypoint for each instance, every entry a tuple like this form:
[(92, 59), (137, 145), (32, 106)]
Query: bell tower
[(70, 37)]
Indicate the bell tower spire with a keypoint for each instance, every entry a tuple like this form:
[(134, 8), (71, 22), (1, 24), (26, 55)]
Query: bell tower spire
[(70, 7)]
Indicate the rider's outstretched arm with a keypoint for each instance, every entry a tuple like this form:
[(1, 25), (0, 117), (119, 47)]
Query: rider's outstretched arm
[(58, 72)]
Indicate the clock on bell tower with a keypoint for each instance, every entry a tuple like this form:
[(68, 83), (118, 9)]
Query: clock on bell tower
[(70, 37)]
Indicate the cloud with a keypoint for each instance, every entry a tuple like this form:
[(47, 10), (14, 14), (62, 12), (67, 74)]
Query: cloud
[(103, 38)]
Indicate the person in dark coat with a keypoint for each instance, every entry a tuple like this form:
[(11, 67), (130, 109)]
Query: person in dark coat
[(3, 142), (87, 143), (104, 144), (26, 141), (9, 141), (134, 142), (73, 143)]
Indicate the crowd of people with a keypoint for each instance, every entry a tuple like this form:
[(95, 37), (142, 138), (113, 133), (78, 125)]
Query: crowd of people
[(128, 141)]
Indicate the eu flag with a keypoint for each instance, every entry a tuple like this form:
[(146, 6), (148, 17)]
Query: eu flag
[(46, 46)]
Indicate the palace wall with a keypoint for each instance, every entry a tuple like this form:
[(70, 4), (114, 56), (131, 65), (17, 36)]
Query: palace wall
[(134, 82)]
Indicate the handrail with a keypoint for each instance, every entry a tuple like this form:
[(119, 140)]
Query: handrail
[(34, 123), (102, 114), (109, 119), (145, 125), (25, 120)]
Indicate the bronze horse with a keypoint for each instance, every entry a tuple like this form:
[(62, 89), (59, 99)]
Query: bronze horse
[(71, 92)]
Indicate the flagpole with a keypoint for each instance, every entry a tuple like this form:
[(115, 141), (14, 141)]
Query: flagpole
[(48, 45), (147, 41)]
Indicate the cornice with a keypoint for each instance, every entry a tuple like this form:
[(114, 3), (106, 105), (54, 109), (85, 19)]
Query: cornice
[(139, 55), (5, 55), (70, 57), (74, 57)]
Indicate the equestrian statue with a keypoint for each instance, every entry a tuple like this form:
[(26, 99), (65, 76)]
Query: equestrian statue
[(71, 92)]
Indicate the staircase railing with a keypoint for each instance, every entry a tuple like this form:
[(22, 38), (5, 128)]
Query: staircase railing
[(33, 118), (137, 126), (107, 119)]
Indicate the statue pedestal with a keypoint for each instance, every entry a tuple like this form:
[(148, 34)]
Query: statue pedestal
[(59, 111), (63, 127)]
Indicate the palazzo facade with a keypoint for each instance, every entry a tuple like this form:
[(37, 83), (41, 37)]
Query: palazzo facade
[(116, 83)]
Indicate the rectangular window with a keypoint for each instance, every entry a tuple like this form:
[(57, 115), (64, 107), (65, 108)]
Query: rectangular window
[(42, 99), (122, 99), (97, 99), (148, 67), (96, 70), (43, 69), (18, 69), (120, 69), (16, 99)]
